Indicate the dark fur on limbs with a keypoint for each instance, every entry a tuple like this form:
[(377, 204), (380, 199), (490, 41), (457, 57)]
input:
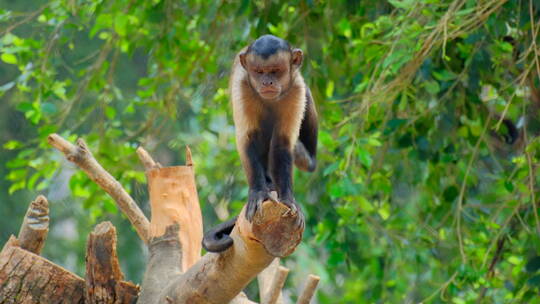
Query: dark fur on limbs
[(276, 126)]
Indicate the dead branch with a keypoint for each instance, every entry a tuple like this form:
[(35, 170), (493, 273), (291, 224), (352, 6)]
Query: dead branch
[(274, 291), (35, 226), (104, 279), (265, 280), (146, 159), (309, 290), (82, 157)]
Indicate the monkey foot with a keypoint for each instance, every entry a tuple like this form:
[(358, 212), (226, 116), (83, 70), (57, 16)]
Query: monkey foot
[(294, 209), (255, 200)]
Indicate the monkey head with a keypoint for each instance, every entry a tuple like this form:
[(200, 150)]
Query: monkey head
[(271, 63)]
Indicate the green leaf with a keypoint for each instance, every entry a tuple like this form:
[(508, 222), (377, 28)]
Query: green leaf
[(110, 112), (16, 186), (121, 24), (364, 157), (48, 108), (59, 89), (9, 58), (330, 89), (12, 145), (25, 106)]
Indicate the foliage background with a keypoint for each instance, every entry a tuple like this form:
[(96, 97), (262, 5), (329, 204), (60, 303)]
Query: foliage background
[(419, 194)]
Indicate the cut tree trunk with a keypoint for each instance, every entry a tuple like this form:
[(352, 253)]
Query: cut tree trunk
[(175, 273)]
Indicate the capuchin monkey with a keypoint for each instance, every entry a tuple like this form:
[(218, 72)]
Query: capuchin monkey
[(276, 125)]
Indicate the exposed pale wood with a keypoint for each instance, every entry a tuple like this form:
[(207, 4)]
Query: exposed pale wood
[(241, 298), (265, 279), (218, 278), (28, 278), (309, 290), (82, 157), (146, 159), (174, 200), (104, 279), (274, 292), (35, 226)]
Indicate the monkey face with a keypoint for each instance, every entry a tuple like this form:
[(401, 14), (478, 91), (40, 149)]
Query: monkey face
[(269, 77)]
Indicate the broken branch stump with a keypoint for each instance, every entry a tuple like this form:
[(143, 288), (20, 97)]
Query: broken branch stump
[(104, 279), (35, 226)]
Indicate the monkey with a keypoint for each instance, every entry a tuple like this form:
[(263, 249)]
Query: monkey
[(276, 125)]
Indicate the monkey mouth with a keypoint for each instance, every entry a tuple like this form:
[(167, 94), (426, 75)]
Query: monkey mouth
[(269, 93)]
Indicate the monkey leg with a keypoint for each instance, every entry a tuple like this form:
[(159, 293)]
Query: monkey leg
[(281, 160)]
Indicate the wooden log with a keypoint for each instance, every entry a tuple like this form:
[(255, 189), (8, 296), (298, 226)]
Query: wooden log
[(104, 279), (218, 278), (28, 278), (82, 157), (35, 226)]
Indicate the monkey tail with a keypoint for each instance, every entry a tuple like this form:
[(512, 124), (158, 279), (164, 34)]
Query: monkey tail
[(302, 159), (217, 239)]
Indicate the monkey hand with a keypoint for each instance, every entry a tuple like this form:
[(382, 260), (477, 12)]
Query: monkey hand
[(294, 209), (255, 200)]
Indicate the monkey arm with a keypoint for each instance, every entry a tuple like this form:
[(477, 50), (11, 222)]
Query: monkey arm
[(305, 150)]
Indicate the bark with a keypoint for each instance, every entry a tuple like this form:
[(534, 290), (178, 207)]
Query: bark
[(104, 279), (28, 278), (35, 226), (175, 272), (218, 278)]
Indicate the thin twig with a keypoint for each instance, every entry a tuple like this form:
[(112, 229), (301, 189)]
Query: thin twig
[(462, 190), (146, 159)]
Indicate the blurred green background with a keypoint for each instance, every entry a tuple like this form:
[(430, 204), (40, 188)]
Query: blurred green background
[(422, 194)]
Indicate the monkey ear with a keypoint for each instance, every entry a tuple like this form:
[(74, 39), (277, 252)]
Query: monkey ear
[(297, 56), (243, 59)]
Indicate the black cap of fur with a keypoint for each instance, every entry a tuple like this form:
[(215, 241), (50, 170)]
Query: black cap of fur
[(269, 45)]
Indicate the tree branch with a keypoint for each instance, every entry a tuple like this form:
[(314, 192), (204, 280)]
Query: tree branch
[(309, 290), (218, 278), (82, 157)]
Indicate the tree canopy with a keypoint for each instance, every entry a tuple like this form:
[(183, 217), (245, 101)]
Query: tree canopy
[(427, 182)]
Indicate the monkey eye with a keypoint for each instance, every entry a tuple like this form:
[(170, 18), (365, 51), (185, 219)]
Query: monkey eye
[(259, 72)]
